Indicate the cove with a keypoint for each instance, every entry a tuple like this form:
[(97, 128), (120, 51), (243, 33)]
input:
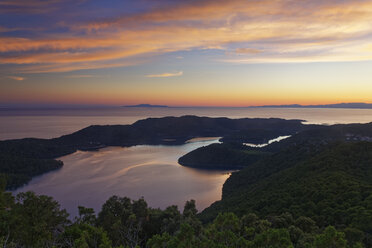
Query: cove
[(89, 178)]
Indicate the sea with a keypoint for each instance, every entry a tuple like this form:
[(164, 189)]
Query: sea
[(89, 178)]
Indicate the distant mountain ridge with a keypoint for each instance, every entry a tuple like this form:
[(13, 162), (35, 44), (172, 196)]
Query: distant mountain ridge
[(145, 105), (355, 105)]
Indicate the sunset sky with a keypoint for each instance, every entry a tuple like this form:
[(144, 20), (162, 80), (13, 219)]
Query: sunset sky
[(185, 53)]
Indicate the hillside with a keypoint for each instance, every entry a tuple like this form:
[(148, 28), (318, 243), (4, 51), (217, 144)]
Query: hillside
[(40, 153), (170, 131), (315, 197), (236, 156), (311, 190), (222, 156), (331, 184), (322, 135)]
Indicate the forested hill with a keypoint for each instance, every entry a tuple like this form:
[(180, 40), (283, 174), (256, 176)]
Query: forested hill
[(233, 155), (167, 130), (320, 135), (225, 156), (331, 184), (303, 198), (22, 159)]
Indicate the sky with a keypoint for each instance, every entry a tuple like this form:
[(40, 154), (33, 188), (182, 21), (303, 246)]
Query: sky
[(185, 53)]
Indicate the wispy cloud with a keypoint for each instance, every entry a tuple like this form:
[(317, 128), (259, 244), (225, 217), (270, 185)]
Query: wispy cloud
[(80, 76), (247, 51), (267, 31), (167, 74), (33, 6), (16, 78)]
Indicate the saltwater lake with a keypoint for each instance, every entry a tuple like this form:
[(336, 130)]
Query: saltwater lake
[(89, 178)]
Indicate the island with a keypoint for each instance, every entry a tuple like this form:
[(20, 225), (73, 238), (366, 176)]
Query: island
[(145, 105)]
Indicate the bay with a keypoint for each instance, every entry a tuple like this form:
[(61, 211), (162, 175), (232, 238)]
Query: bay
[(89, 178)]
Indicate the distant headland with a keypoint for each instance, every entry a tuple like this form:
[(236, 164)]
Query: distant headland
[(338, 105), (145, 106)]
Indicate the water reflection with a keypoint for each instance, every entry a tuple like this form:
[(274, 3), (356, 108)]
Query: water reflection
[(88, 178), (280, 138)]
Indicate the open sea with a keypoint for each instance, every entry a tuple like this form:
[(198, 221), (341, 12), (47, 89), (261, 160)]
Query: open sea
[(50, 123)]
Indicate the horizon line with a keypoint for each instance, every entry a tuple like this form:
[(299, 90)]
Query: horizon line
[(4, 106)]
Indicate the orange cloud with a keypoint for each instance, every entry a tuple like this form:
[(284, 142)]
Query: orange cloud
[(248, 50), (167, 74), (80, 76), (266, 31), (46, 68), (16, 78)]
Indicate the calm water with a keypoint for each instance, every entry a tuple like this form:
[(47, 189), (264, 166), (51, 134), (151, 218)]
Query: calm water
[(89, 178), (54, 123)]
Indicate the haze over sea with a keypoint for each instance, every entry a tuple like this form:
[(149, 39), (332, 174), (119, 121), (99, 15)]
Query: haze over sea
[(50, 123), (89, 178)]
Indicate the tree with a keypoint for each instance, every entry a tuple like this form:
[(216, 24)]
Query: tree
[(38, 220), (330, 238), (85, 235), (226, 231), (278, 238), (6, 217), (86, 215)]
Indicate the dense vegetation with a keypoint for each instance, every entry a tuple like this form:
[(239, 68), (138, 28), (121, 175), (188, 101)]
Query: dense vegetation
[(311, 190), (29, 220), (233, 155), (331, 184), (222, 156), (19, 170), (305, 196), (321, 135), (22, 159)]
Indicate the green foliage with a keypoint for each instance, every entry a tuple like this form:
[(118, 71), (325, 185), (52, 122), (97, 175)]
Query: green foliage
[(6, 217), (37, 221), (314, 193), (325, 186), (30, 220), (18, 170), (222, 156), (39, 218), (330, 238), (86, 215), (273, 238), (132, 223), (85, 235)]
